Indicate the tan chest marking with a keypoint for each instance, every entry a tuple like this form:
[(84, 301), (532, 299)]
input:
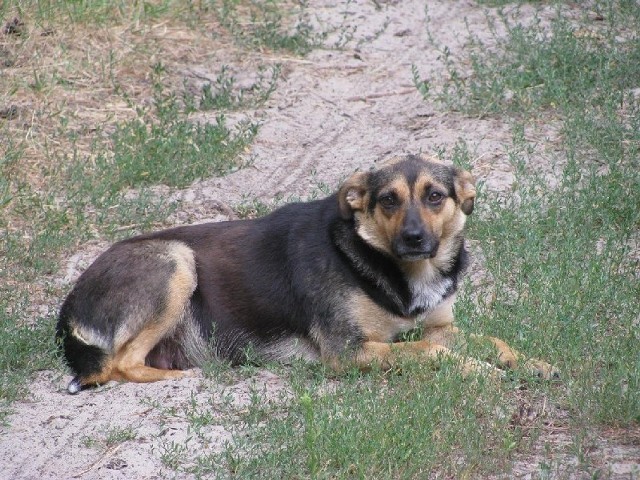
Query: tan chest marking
[(377, 324)]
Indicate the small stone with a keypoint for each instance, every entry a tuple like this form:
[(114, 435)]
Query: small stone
[(14, 27), (9, 113)]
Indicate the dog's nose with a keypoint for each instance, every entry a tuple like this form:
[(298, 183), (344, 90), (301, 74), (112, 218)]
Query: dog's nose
[(413, 238)]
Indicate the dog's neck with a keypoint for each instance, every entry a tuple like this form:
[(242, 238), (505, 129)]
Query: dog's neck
[(429, 286), (433, 280), (407, 289)]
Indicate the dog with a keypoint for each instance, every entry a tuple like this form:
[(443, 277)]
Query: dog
[(335, 280)]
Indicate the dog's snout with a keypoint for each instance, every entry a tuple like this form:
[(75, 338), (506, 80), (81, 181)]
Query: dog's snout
[(414, 241), (413, 232), (413, 237)]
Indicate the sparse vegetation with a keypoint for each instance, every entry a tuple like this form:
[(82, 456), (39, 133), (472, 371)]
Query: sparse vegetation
[(573, 247), (264, 25)]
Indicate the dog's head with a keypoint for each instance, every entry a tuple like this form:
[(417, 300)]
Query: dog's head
[(409, 206)]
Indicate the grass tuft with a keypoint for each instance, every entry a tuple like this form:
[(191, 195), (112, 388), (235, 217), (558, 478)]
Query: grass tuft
[(277, 26), (223, 94)]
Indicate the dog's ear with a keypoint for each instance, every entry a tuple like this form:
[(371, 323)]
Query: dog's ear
[(352, 193), (465, 186)]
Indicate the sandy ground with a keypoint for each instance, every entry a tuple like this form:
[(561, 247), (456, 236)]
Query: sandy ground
[(333, 111)]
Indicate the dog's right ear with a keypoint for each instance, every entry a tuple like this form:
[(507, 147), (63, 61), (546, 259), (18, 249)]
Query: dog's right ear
[(352, 193), (465, 186)]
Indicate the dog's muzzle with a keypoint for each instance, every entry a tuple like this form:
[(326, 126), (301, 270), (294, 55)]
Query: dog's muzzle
[(414, 241)]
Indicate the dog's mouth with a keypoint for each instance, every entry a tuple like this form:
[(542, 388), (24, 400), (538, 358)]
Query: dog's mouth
[(415, 255), (414, 244)]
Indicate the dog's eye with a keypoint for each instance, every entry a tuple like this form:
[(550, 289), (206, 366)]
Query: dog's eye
[(388, 201), (435, 197)]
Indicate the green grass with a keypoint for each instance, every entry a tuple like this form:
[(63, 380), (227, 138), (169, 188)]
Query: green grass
[(377, 426), (542, 68), (102, 13), (566, 284), (171, 149), (25, 349), (565, 258), (362, 426)]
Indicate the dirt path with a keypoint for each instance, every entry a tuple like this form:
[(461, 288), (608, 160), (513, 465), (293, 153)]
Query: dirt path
[(338, 110), (332, 112)]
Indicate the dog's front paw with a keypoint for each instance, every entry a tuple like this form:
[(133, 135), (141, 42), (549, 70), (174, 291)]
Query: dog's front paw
[(542, 369), (192, 372), (472, 366)]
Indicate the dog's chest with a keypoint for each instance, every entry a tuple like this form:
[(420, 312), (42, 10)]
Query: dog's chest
[(428, 290)]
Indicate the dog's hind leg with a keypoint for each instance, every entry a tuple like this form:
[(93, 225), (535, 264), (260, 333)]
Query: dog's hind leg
[(147, 289), (129, 359)]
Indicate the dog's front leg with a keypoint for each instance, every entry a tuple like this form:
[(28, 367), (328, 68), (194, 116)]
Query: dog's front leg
[(388, 355), (439, 329), (504, 356), (508, 357)]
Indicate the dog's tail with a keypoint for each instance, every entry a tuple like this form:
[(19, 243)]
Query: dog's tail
[(84, 359)]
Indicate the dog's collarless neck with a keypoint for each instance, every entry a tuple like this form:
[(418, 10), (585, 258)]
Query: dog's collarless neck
[(380, 276), (394, 288)]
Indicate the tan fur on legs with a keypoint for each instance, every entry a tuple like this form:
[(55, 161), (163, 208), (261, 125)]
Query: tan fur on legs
[(388, 355), (448, 336), (507, 357), (129, 360), (511, 358)]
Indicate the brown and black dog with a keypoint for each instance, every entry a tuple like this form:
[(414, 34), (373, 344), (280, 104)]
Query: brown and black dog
[(335, 280)]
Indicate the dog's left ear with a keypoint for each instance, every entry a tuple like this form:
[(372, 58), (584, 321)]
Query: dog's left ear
[(465, 186), (351, 194)]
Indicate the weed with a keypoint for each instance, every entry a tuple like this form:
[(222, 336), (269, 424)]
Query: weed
[(271, 25), (220, 372), (422, 85), (253, 208), (89, 442), (223, 94), (172, 453), (117, 435), (198, 416)]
